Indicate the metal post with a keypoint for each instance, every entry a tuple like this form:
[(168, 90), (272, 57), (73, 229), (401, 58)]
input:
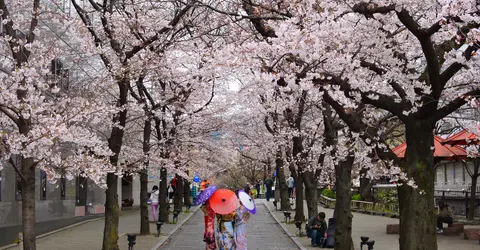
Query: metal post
[(466, 204)]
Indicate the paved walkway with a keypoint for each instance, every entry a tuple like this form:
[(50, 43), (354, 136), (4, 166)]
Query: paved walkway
[(375, 228), (90, 235), (262, 233)]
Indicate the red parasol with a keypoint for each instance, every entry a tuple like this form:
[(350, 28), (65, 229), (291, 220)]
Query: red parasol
[(223, 201)]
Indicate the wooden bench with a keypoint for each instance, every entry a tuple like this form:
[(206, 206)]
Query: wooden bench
[(393, 228), (460, 226), (471, 233), (451, 231)]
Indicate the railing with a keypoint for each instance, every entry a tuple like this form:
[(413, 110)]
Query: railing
[(362, 205), (455, 186)]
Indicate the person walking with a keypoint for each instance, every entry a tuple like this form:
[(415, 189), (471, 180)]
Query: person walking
[(154, 201), (225, 231), (246, 188), (257, 187), (241, 218), (291, 185), (268, 184), (209, 233)]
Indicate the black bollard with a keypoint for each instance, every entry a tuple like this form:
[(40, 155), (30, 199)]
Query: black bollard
[(287, 215), (298, 224), (159, 227), (132, 238), (364, 241)]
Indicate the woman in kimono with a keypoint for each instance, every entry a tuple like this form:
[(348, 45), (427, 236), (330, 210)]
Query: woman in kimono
[(209, 234), (241, 218), (225, 231)]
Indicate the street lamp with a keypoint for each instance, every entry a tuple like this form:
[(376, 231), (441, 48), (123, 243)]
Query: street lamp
[(132, 238), (287, 214)]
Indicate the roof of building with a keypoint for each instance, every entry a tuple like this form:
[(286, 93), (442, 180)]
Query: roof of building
[(441, 151), (462, 138)]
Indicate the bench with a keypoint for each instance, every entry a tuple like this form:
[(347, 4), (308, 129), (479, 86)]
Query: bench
[(393, 228), (460, 226), (471, 233)]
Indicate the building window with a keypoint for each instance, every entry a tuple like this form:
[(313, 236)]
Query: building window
[(43, 185), (63, 186), (18, 188)]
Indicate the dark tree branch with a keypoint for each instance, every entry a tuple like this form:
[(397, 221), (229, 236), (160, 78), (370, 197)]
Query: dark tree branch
[(455, 104), (259, 25), (155, 37)]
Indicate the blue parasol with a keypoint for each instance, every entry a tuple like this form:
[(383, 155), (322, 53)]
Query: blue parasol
[(205, 195)]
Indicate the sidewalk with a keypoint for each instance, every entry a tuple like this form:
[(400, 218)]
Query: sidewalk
[(263, 233), (89, 235), (373, 227)]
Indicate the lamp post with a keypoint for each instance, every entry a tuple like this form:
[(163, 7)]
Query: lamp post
[(365, 241), (287, 216), (175, 215), (132, 238), (298, 224)]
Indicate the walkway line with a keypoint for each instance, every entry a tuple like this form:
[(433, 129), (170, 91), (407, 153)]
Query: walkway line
[(284, 227), (160, 243)]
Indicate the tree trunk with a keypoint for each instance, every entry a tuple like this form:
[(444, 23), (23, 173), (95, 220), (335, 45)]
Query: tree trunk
[(110, 232), (343, 209), (144, 218), (471, 204), (417, 213), (299, 213), (186, 193), (473, 187), (311, 193), (162, 200), (282, 183), (27, 187), (144, 224), (178, 199), (366, 189)]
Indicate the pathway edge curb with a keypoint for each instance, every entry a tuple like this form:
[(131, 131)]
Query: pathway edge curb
[(164, 239), (292, 236)]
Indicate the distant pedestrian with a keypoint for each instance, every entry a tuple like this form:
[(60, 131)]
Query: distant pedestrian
[(257, 187), (269, 185), (154, 201), (246, 188), (291, 185)]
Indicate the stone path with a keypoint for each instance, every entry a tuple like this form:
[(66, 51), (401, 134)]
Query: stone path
[(262, 233)]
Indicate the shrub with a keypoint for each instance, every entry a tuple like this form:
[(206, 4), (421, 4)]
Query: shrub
[(356, 197), (329, 193)]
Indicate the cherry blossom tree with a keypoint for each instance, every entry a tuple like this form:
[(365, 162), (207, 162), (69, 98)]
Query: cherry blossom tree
[(45, 124)]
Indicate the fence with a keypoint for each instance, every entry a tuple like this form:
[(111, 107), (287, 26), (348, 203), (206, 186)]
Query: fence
[(362, 205)]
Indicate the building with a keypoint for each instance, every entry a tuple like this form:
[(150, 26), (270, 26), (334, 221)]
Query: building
[(58, 205)]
